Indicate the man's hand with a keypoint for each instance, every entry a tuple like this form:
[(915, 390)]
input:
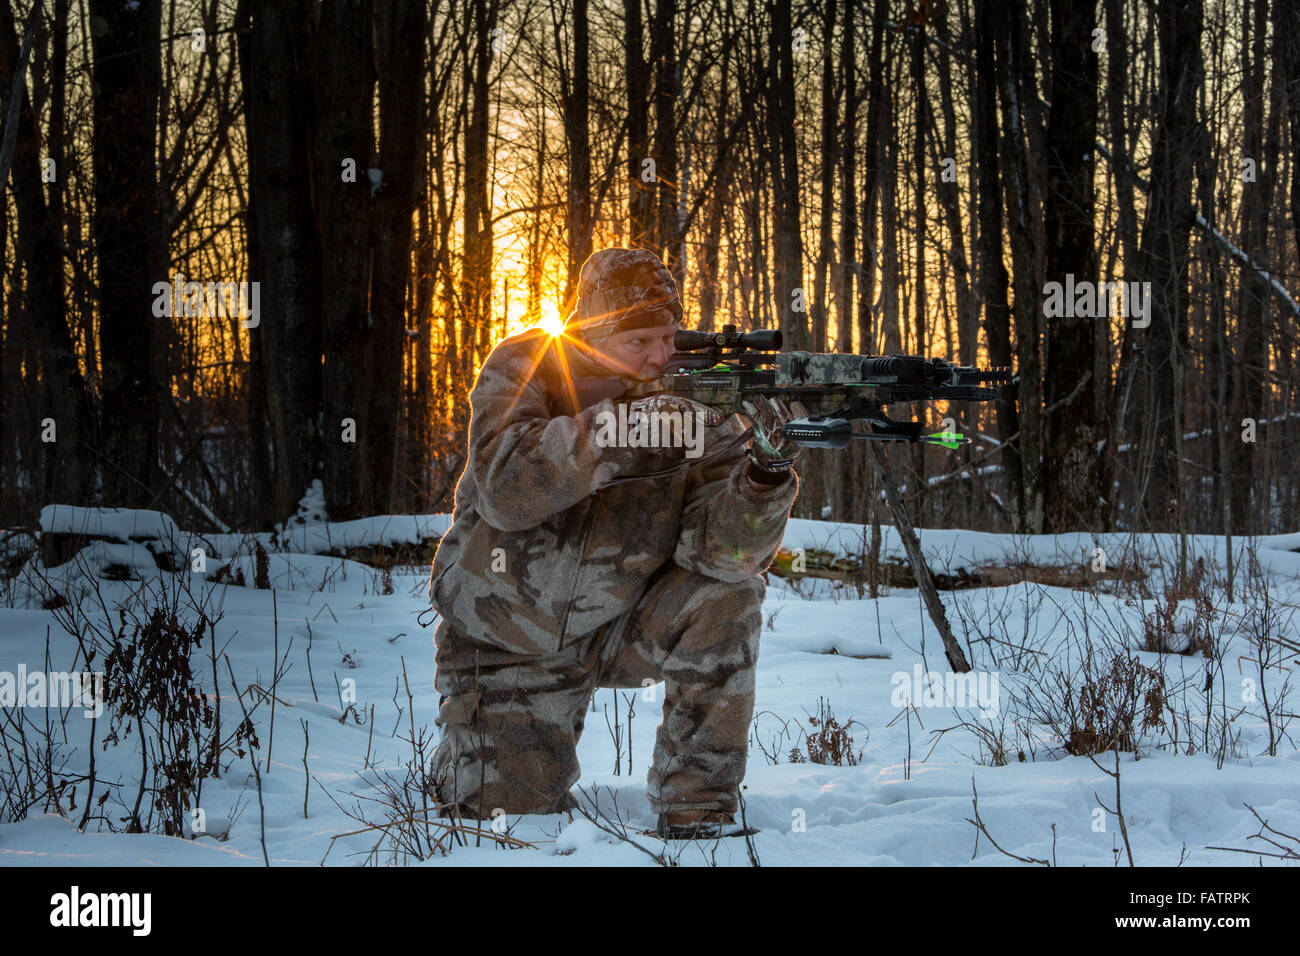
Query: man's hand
[(771, 455), (664, 403)]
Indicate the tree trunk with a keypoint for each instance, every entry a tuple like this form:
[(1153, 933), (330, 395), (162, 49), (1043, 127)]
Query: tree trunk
[(577, 137), (720, 197), (950, 196), (1249, 389), (288, 250), (1163, 258), (921, 170), (663, 44), (877, 111), (1015, 79), (128, 233), (853, 474), (38, 333), (787, 278), (829, 158), (399, 33), (262, 509), (890, 333), (920, 568), (1071, 476), (344, 83), (916, 481), (422, 405), (641, 194), (1286, 40), (1117, 83), (476, 279), (994, 281)]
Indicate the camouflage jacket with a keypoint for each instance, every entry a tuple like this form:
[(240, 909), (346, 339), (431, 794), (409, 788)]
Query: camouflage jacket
[(543, 546)]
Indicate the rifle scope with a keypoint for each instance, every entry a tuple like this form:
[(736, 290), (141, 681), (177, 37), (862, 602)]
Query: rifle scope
[(760, 340)]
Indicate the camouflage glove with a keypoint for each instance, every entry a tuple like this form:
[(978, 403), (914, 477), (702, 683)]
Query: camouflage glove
[(672, 428), (667, 404), (771, 455)]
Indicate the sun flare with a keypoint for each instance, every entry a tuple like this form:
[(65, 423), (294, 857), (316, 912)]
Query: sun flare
[(550, 321)]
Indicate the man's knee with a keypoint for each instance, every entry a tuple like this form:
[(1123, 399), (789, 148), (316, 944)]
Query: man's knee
[(696, 597), (690, 621)]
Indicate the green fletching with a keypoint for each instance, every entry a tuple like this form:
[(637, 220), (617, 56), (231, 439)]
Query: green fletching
[(948, 439)]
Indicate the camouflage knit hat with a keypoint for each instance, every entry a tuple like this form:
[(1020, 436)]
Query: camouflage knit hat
[(620, 289)]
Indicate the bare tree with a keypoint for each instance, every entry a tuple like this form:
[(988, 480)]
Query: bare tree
[(640, 203), (278, 84), (344, 87), (994, 279), (663, 52), (399, 33), (783, 166), (476, 273), (129, 241), (1070, 387), (1163, 258)]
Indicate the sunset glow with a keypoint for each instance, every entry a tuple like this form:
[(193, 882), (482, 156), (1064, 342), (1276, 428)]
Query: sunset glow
[(550, 320)]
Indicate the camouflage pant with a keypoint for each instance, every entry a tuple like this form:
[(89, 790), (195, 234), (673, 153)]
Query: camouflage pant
[(511, 722)]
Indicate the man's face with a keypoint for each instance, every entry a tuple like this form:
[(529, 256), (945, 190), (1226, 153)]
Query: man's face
[(638, 353)]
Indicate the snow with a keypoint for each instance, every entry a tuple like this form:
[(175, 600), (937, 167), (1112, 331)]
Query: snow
[(1245, 260), (956, 549), (1206, 432), (119, 524), (383, 530), (51, 840), (905, 802), (336, 536), (99, 556), (299, 572), (311, 507)]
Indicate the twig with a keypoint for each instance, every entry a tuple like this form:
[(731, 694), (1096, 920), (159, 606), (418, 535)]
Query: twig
[(310, 676), (10, 137), (455, 827), (979, 824), (750, 849), (1119, 807), (596, 819), (924, 579), (275, 663), (306, 739), (371, 737), (1288, 853), (257, 773)]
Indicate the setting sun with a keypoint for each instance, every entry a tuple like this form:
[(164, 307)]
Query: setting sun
[(550, 320)]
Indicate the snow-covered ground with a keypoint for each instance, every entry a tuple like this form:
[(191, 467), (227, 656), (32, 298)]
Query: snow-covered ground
[(348, 635)]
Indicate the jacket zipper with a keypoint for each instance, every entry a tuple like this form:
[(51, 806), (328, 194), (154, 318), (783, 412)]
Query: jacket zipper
[(573, 589)]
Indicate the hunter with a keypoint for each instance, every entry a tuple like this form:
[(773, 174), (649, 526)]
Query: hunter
[(572, 564)]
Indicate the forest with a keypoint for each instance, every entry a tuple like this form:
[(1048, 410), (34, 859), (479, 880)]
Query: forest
[(251, 245)]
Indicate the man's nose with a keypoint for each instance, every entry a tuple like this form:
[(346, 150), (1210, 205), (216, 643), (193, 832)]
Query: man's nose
[(660, 355)]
